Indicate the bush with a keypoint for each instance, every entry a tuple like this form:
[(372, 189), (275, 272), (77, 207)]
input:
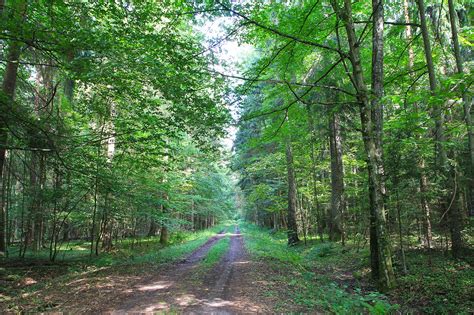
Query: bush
[(321, 250)]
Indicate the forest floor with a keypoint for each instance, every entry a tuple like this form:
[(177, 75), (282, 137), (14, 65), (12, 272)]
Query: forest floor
[(226, 271)]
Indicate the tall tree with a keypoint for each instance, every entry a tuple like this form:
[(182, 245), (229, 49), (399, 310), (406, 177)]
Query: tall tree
[(423, 180), (381, 260), (466, 99), (336, 223), (292, 195), (438, 114), (450, 205), (14, 15)]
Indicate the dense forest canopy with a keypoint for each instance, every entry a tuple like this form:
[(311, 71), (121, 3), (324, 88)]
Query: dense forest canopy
[(109, 122), (353, 124), (357, 117)]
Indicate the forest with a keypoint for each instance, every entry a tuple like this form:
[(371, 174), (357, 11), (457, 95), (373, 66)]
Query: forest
[(234, 156)]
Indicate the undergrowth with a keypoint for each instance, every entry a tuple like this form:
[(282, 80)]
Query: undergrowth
[(181, 244), (436, 284), (333, 278), (304, 286), (130, 250)]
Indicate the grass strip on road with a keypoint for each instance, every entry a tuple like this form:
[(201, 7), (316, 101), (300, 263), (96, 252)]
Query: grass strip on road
[(215, 254)]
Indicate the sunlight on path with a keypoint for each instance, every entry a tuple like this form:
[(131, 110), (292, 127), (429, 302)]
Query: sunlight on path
[(222, 290)]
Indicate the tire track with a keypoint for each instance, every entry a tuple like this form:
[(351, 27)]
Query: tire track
[(230, 287), (225, 290), (143, 297)]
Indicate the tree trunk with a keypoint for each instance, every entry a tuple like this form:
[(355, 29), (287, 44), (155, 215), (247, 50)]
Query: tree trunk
[(467, 102), (34, 208), (193, 226), (94, 209), (153, 228), (314, 177), (6, 105), (400, 233), (381, 259), (423, 181), (42, 109), (107, 226), (3, 212), (386, 277), (9, 84), (424, 204), (454, 217), (292, 225), (164, 237), (337, 178), (438, 114), (69, 82)]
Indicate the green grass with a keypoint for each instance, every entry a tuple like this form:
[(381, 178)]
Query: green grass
[(215, 253), (126, 251), (304, 285), (263, 245), (154, 253)]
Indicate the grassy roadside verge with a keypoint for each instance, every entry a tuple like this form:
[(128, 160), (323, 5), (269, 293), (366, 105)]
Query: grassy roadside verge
[(125, 251), (297, 281), (187, 243), (25, 283)]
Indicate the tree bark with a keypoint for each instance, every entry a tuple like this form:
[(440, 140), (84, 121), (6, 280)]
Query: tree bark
[(6, 105), (292, 225), (164, 237), (96, 193), (153, 228), (426, 211), (467, 101), (381, 259), (337, 179), (400, 233), (69, 82), (423, 181), (438, 115), (42, 109), (3, 212), (314, 178), (454, 215)]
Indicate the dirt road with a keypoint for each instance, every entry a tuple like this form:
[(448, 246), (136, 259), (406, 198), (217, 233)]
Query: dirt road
[(225, 289)]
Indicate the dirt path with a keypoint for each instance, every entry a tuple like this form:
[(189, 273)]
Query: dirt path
[(228, 288)]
